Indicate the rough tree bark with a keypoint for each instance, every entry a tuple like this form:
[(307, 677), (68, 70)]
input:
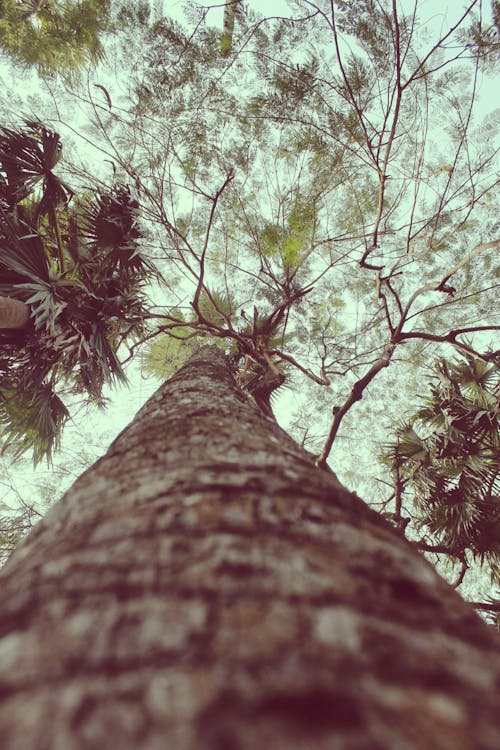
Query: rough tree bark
[(203, 585), (13, 313)]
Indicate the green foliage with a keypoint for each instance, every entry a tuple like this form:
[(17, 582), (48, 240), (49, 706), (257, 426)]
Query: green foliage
[(171, 347), (447, 456), (54, 37), (110, 224), (294, 84), (368, 23), (28, 156), (32, 420), (270, 240), (79, 269), (483, 39), (171, 60), (162, 355), (290, 242), (216, 305)]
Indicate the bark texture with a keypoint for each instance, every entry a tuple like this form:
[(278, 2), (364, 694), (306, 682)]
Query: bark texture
[(13, 313), (204, 586)]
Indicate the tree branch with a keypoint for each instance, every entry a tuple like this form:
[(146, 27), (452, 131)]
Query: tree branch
[(450, 338), (355, 395), (199, 287)]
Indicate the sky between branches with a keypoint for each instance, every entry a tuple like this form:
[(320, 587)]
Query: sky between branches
[(124, 403)]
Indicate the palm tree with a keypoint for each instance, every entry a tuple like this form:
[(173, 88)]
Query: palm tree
[(70, 283), (204, 585), (447, 456)]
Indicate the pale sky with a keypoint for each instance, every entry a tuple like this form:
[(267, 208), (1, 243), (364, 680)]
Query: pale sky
[(124, 403)]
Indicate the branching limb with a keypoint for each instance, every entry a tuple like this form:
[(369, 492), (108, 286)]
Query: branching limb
[(439, 549), (199, 287), (464, 567), (417, 72), (491, 606), (465, 260), (319, 379), (356, 394), (442, 285), (450, 338), (358, 110)]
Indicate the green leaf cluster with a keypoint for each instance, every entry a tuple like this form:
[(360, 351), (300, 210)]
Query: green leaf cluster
[(216, 305), (54, 37), (79, 269), (290, 242), (448, 456), (32, 420), (163, 354)]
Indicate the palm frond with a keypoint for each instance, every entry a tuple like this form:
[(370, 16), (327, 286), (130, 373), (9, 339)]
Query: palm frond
[(27, 157), (79, 269), (110, 224), (448, 456), (21, 253), (32, 420)]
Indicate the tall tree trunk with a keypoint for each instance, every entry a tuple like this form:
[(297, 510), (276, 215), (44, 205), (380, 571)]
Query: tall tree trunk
[(204, 586), (228, 26), (13, 313)]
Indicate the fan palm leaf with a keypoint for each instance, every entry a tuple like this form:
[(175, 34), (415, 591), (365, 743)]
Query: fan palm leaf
[(110, 225), (22, 254), (453, 470), (32, 420), (78, 315), (27, 159)]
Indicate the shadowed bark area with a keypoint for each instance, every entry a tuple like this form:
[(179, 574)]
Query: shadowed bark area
[(13, 313), (203, 585)]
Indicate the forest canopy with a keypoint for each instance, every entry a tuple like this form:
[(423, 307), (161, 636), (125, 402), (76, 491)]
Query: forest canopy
[(315, 192)]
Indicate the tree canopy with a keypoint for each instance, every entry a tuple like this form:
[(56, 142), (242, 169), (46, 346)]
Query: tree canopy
[(54, 37), (316, 191)]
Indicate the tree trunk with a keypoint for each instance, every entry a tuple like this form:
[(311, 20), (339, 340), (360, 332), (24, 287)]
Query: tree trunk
[(204, 587), (228, 26), (13, 313)]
